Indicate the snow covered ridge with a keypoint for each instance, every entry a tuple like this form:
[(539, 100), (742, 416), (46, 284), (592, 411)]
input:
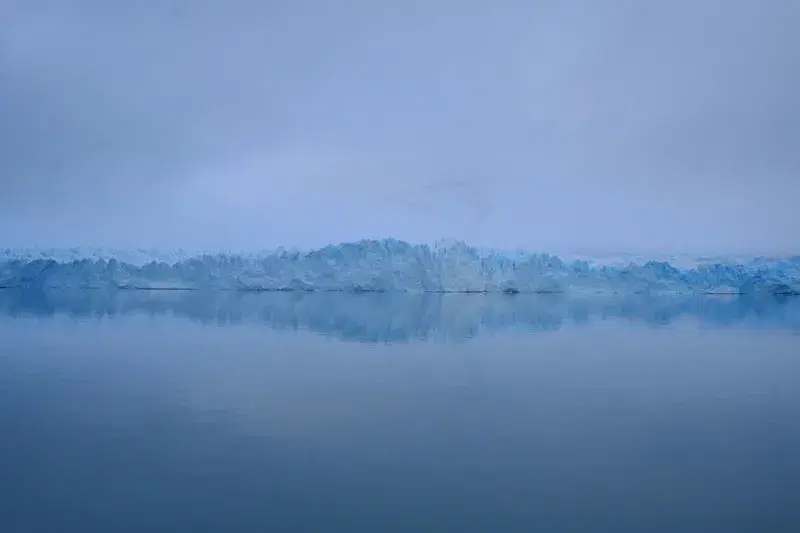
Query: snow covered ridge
[(389, 265)]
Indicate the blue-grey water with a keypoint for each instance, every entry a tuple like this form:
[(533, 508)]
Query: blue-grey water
[(191, 411)]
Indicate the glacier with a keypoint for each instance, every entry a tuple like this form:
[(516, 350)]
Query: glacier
[(391, 265)]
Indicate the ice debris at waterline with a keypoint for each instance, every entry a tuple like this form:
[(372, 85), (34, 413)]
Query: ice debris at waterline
[(391, 265)]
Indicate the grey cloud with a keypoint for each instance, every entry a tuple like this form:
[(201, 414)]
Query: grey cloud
[(626, 124)]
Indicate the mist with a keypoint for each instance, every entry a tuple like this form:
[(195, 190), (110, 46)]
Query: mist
[(555, 126)]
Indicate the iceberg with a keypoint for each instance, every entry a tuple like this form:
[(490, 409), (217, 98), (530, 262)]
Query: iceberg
[(390, 265)]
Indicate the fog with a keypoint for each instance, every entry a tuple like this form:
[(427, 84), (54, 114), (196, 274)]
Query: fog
[(556, 126)]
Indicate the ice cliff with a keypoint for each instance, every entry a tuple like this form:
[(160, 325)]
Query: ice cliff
[(386, 266)]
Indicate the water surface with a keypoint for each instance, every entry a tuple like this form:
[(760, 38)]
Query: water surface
[(226, 412)]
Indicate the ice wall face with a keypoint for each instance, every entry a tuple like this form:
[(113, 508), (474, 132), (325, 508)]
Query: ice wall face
[(388, 265)]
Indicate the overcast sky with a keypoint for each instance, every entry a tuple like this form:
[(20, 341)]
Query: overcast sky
[(616, 125)]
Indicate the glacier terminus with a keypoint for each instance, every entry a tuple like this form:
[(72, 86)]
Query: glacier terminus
[(391, 265)]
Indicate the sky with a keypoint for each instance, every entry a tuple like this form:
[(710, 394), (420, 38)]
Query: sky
[(553, 125)]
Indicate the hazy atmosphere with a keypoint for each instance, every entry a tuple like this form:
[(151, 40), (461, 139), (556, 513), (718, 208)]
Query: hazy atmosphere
[(623, 125)]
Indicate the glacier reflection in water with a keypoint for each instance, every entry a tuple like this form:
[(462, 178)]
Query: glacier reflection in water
[(375, 317)]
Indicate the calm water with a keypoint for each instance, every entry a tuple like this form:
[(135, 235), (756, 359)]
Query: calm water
[(327, 413)]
